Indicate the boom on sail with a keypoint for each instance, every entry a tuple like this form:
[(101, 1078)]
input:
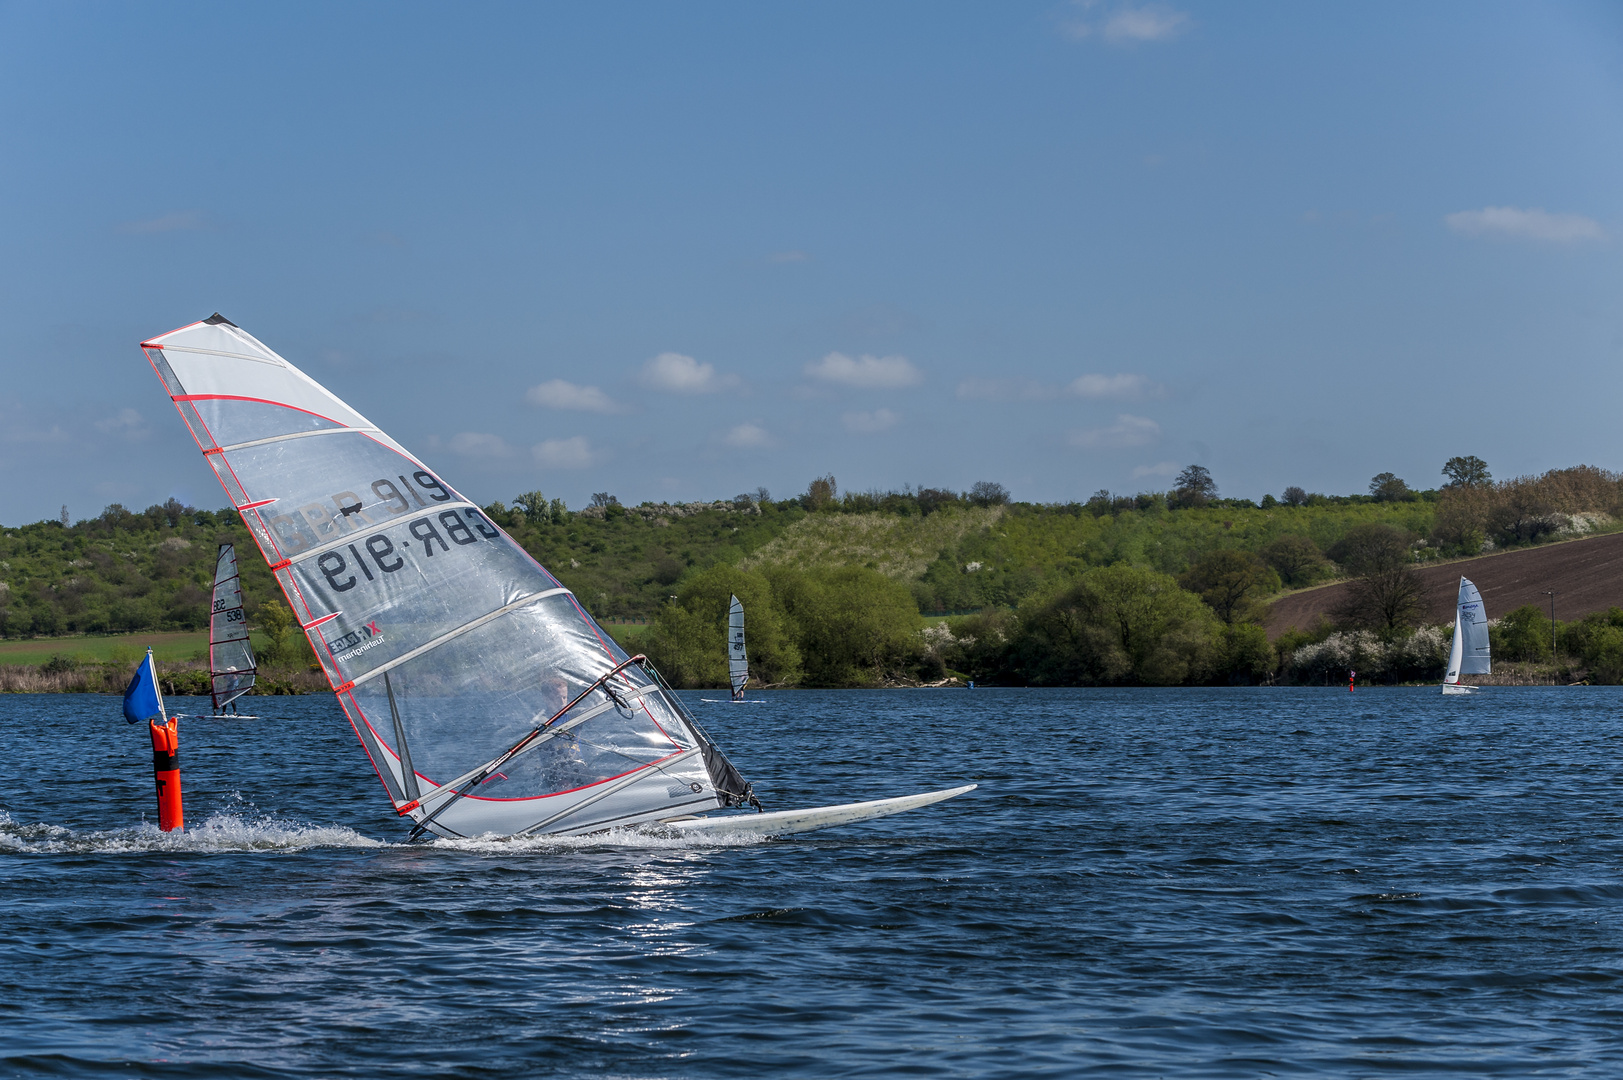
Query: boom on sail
[(488, 700)]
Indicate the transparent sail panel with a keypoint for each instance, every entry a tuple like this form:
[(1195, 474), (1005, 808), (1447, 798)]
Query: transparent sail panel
[(403, 586), (469, 700), (232, 420)]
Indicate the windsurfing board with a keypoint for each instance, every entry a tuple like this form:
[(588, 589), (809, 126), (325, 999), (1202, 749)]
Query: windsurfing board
[(784, 822), (734, 701)]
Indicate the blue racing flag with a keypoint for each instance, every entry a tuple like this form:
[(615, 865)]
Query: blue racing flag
[(142, 701)]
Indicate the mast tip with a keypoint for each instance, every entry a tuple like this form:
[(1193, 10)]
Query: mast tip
[(217, 320)]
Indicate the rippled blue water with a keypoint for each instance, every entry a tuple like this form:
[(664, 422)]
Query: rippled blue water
[(1148, 883)]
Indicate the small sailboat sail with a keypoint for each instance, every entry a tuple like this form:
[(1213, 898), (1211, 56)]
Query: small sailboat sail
[(1469, 654), (231, 656), (738, 665), (488, 700)]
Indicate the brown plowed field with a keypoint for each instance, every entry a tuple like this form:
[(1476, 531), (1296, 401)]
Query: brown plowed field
[(1587, 575)]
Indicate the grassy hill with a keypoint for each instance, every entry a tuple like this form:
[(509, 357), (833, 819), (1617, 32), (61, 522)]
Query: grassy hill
[(150, 572)]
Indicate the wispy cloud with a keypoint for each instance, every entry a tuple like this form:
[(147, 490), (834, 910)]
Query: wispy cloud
[(126, 423), (1128, 430), (684, 375), (1160, 468), (1118, 387), (865, 372), (748, 437), (1535, 224), (477, 444), (174, 221), (1011, 389), (558, 394), (788, 257), (571, 453), (869, 423), (1125, 24)]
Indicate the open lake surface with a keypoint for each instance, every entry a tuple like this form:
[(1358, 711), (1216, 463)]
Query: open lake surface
[(1154, 883)]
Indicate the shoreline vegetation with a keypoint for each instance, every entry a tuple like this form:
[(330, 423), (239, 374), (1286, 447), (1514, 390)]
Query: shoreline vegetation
[(919, 587)]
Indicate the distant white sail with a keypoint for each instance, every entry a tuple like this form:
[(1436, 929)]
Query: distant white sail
[(738, 665), (231, 657), (1473, 620), (1469, 652), (452, 651)]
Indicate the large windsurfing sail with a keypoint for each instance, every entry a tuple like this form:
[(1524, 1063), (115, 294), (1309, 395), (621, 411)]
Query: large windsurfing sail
[(1468, 653), (231, 657), (447, 645), (738, 665)]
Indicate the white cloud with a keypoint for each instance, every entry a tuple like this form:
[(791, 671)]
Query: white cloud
[(1128, 430), (476, 444), (1119, 387), (571, 453), (1521, 224), (1160, 468), (1013, 389), (1126, 24), (176, 221), (748, 436), (865, 372), (558, 394), (684, 375), (868, 423), (126, 422)]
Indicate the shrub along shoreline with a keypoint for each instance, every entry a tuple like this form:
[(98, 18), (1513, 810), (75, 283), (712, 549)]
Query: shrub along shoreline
[(1155, 589)]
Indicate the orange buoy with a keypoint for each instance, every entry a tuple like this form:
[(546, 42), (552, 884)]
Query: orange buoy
[(166, 770)]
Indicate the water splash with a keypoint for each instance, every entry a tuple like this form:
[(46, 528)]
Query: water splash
[(217, 833), (646, 839)]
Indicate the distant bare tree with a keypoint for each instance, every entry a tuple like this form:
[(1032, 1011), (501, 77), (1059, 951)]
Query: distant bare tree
[(1385, 591), (1194, 487), (986, 493), (1294, 496), (821, 492), (1231, 582)]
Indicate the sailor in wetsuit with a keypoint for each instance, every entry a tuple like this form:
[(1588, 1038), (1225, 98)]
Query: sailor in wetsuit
[(560, 759)]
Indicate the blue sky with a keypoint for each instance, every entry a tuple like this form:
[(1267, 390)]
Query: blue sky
[(683, 251)]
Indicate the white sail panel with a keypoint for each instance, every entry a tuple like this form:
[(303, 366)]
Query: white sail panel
[(1472, 631), (1456, 650), (231, 657), (738, 665), (444, 640)]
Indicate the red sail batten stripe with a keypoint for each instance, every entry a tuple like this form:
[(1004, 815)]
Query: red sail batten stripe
[(261, 401)]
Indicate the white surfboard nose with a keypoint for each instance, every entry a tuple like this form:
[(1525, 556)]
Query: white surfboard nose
[(785, 822)]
